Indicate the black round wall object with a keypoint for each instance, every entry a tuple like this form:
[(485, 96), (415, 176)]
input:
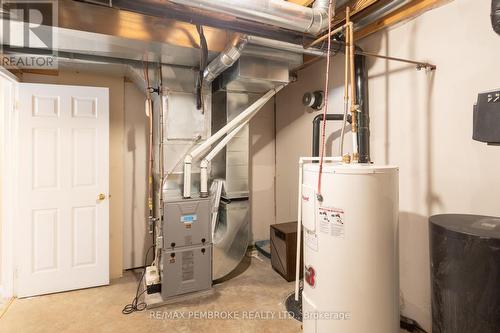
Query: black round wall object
[(465, 273), (313, 99)]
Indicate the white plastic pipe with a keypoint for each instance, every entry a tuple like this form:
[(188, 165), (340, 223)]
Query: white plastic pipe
[(355, 143), (204, 178), (254, 108), (222, 143), (299, 215)]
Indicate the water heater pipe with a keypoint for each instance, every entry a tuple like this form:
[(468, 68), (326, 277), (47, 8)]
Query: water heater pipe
[(302, 160), (363, 119), (316, 128), (254, 108)]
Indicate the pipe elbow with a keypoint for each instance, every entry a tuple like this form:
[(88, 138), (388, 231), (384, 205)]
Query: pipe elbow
[(226, 58), (317, 119), (320, 16)]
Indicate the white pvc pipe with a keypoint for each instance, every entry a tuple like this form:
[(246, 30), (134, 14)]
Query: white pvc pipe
[(299, 234), (354, 143), (299, 216), (226, 139), (213, 153), (204, 179), (187, 176), (254, 108)]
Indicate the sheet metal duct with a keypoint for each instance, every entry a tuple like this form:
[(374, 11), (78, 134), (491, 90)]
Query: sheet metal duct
[(225, 59), (254, 75), (277, 13)]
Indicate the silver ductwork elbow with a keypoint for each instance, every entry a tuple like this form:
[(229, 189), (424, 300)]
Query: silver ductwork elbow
[(225, 59), (278, 13), (319, 21)]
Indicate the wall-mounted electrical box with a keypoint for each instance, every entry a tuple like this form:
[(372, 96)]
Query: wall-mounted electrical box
[(486, 119)]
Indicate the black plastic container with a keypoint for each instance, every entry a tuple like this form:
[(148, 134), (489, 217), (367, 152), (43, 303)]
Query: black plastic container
[(465, 273)]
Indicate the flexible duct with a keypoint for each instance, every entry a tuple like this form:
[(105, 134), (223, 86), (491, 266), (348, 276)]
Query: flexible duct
[(279, 13), (495, 15), (225, 59)]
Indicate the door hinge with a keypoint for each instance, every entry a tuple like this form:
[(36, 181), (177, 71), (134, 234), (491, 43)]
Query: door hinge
[(16, 105)]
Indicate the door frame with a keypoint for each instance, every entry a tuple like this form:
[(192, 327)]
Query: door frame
[(8, 190)]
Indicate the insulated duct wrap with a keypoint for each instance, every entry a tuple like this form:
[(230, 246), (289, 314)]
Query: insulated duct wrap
[(225, 59), (277, 13)]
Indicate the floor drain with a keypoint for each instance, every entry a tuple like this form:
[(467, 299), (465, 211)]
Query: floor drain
[(294, 307)]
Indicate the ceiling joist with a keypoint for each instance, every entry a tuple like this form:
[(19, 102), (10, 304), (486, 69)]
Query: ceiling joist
[(356, 6), (304, 3), (406, 12)]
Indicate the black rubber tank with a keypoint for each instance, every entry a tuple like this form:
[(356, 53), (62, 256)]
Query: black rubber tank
[(465, 273), (495, 15)]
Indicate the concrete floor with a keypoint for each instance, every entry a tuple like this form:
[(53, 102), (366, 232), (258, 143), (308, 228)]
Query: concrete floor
[(257, 288)]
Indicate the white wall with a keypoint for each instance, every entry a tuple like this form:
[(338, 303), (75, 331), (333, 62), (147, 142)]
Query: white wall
[(262, 172), (420, 121), (136, 239)]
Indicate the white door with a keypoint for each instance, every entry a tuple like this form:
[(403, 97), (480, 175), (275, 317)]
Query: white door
[(62, 235)]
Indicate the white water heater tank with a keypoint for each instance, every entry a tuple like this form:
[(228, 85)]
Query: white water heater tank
[(351, 280)]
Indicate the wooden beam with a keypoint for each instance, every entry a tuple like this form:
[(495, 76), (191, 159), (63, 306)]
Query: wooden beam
[(51, 72), (406, 12), (304, 3), (356, 7)]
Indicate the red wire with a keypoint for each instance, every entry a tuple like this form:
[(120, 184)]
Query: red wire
[(325, 108)]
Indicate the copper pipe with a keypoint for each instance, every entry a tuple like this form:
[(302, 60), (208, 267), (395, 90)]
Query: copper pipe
[(419, 64), (346, 85), (346, 76), (351, 69), (322, 38)]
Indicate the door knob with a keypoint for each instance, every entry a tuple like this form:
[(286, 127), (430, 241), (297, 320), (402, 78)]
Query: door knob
[(101, 196)]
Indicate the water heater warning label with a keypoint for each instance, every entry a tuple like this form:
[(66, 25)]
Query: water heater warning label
[(331, 221)]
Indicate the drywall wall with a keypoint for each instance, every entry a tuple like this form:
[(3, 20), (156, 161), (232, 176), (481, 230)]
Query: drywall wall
[(136, 239), (420, 121), (8, 91), (262, 172), (3, 107), (116, 145)]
